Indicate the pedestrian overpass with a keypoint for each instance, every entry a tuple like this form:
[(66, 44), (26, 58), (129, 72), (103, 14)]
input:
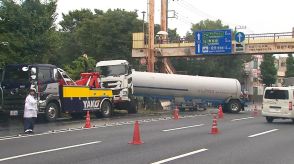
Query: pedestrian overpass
[(267, 43)]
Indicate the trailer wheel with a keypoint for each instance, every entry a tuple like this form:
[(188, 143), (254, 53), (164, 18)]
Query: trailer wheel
[(234, 106), (106, 109), (132, 107), (52, 112)]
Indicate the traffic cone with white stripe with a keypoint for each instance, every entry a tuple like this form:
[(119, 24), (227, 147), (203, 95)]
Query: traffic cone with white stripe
[(220, 112), (88, 121), (214, 129), (136, 135)]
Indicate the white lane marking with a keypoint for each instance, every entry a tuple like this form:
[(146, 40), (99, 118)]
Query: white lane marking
[(239, 119), (47, 151), (186, 127), (258, 134), (81, 128), (180, 156)]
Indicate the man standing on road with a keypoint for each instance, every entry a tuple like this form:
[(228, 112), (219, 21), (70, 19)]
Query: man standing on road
[(30, 111)]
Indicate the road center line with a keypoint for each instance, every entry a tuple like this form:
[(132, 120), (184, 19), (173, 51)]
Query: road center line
[(186, 127), (47, 151), (258, 134), (180, 156), (239, 119)]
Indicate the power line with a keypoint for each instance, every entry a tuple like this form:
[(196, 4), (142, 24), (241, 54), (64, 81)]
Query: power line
[(191, 6)]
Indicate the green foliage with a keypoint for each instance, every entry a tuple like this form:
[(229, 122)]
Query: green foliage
[(209, 25), (28, 28), (173, 35), (268, 70), (290, 66), (101, 35), (78, 66)]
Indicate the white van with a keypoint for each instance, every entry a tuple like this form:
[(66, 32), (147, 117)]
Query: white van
[(278, 103)]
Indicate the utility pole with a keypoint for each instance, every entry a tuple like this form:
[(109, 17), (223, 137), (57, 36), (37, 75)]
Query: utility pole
[(151, 57), (164, 16)]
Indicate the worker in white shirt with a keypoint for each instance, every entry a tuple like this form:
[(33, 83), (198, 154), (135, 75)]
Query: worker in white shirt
[(30, 111)]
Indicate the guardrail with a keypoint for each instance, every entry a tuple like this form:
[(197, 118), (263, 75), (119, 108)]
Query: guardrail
[(270, 37)]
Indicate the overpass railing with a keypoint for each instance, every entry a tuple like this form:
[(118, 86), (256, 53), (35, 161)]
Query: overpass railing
[(140, 41)]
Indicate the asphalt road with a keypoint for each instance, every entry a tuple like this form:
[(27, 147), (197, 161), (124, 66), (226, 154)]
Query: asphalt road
[(243, 139)]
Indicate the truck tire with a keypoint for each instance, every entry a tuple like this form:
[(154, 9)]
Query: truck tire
[(269, 119), (106, 109), (234, 106), (52, 112), (132, 107)]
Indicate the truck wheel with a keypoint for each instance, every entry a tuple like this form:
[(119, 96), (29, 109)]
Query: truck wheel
[(234, 106), (132, 107), (106, 109), (52, 111), (269, 119), (77, 115)]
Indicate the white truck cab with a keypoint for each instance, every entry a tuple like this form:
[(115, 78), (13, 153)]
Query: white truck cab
[(117, 76), (278, 103)]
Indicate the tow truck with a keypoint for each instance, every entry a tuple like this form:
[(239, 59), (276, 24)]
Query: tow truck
[(57, 93)]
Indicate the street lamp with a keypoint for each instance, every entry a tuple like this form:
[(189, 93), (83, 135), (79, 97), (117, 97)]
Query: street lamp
[(143, 12)]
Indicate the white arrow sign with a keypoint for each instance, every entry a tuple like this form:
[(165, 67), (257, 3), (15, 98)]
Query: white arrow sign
[(198, 37), (239, 37), (198, 48)]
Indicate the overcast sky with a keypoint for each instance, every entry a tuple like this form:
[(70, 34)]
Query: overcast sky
[(259, 16)]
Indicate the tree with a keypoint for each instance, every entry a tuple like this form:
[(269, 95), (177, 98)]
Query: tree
[(101, 35), (78, 66), (28, 28), (290, 66), (268, 70), (75, 18), (173, 35)]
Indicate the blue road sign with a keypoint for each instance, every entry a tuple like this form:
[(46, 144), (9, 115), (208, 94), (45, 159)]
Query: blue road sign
[(239, 37), (213, 42)]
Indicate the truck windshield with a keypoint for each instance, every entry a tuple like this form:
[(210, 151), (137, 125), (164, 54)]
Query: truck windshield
[(15, 74), (112, 70)]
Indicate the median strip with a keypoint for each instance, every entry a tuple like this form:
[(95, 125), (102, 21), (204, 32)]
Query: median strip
[(262, 133), (47, 151), (180, 156), (186, 127)]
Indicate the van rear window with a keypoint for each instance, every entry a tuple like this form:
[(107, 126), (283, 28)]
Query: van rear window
[(276, 94)]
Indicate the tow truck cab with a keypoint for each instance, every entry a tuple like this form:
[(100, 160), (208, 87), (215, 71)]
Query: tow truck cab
[(17, 79)]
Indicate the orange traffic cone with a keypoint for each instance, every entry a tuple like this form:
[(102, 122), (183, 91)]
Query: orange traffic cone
[(136, 135), (88, 121), (220, 112), (214, 129), (254, 112), (176, 113)]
